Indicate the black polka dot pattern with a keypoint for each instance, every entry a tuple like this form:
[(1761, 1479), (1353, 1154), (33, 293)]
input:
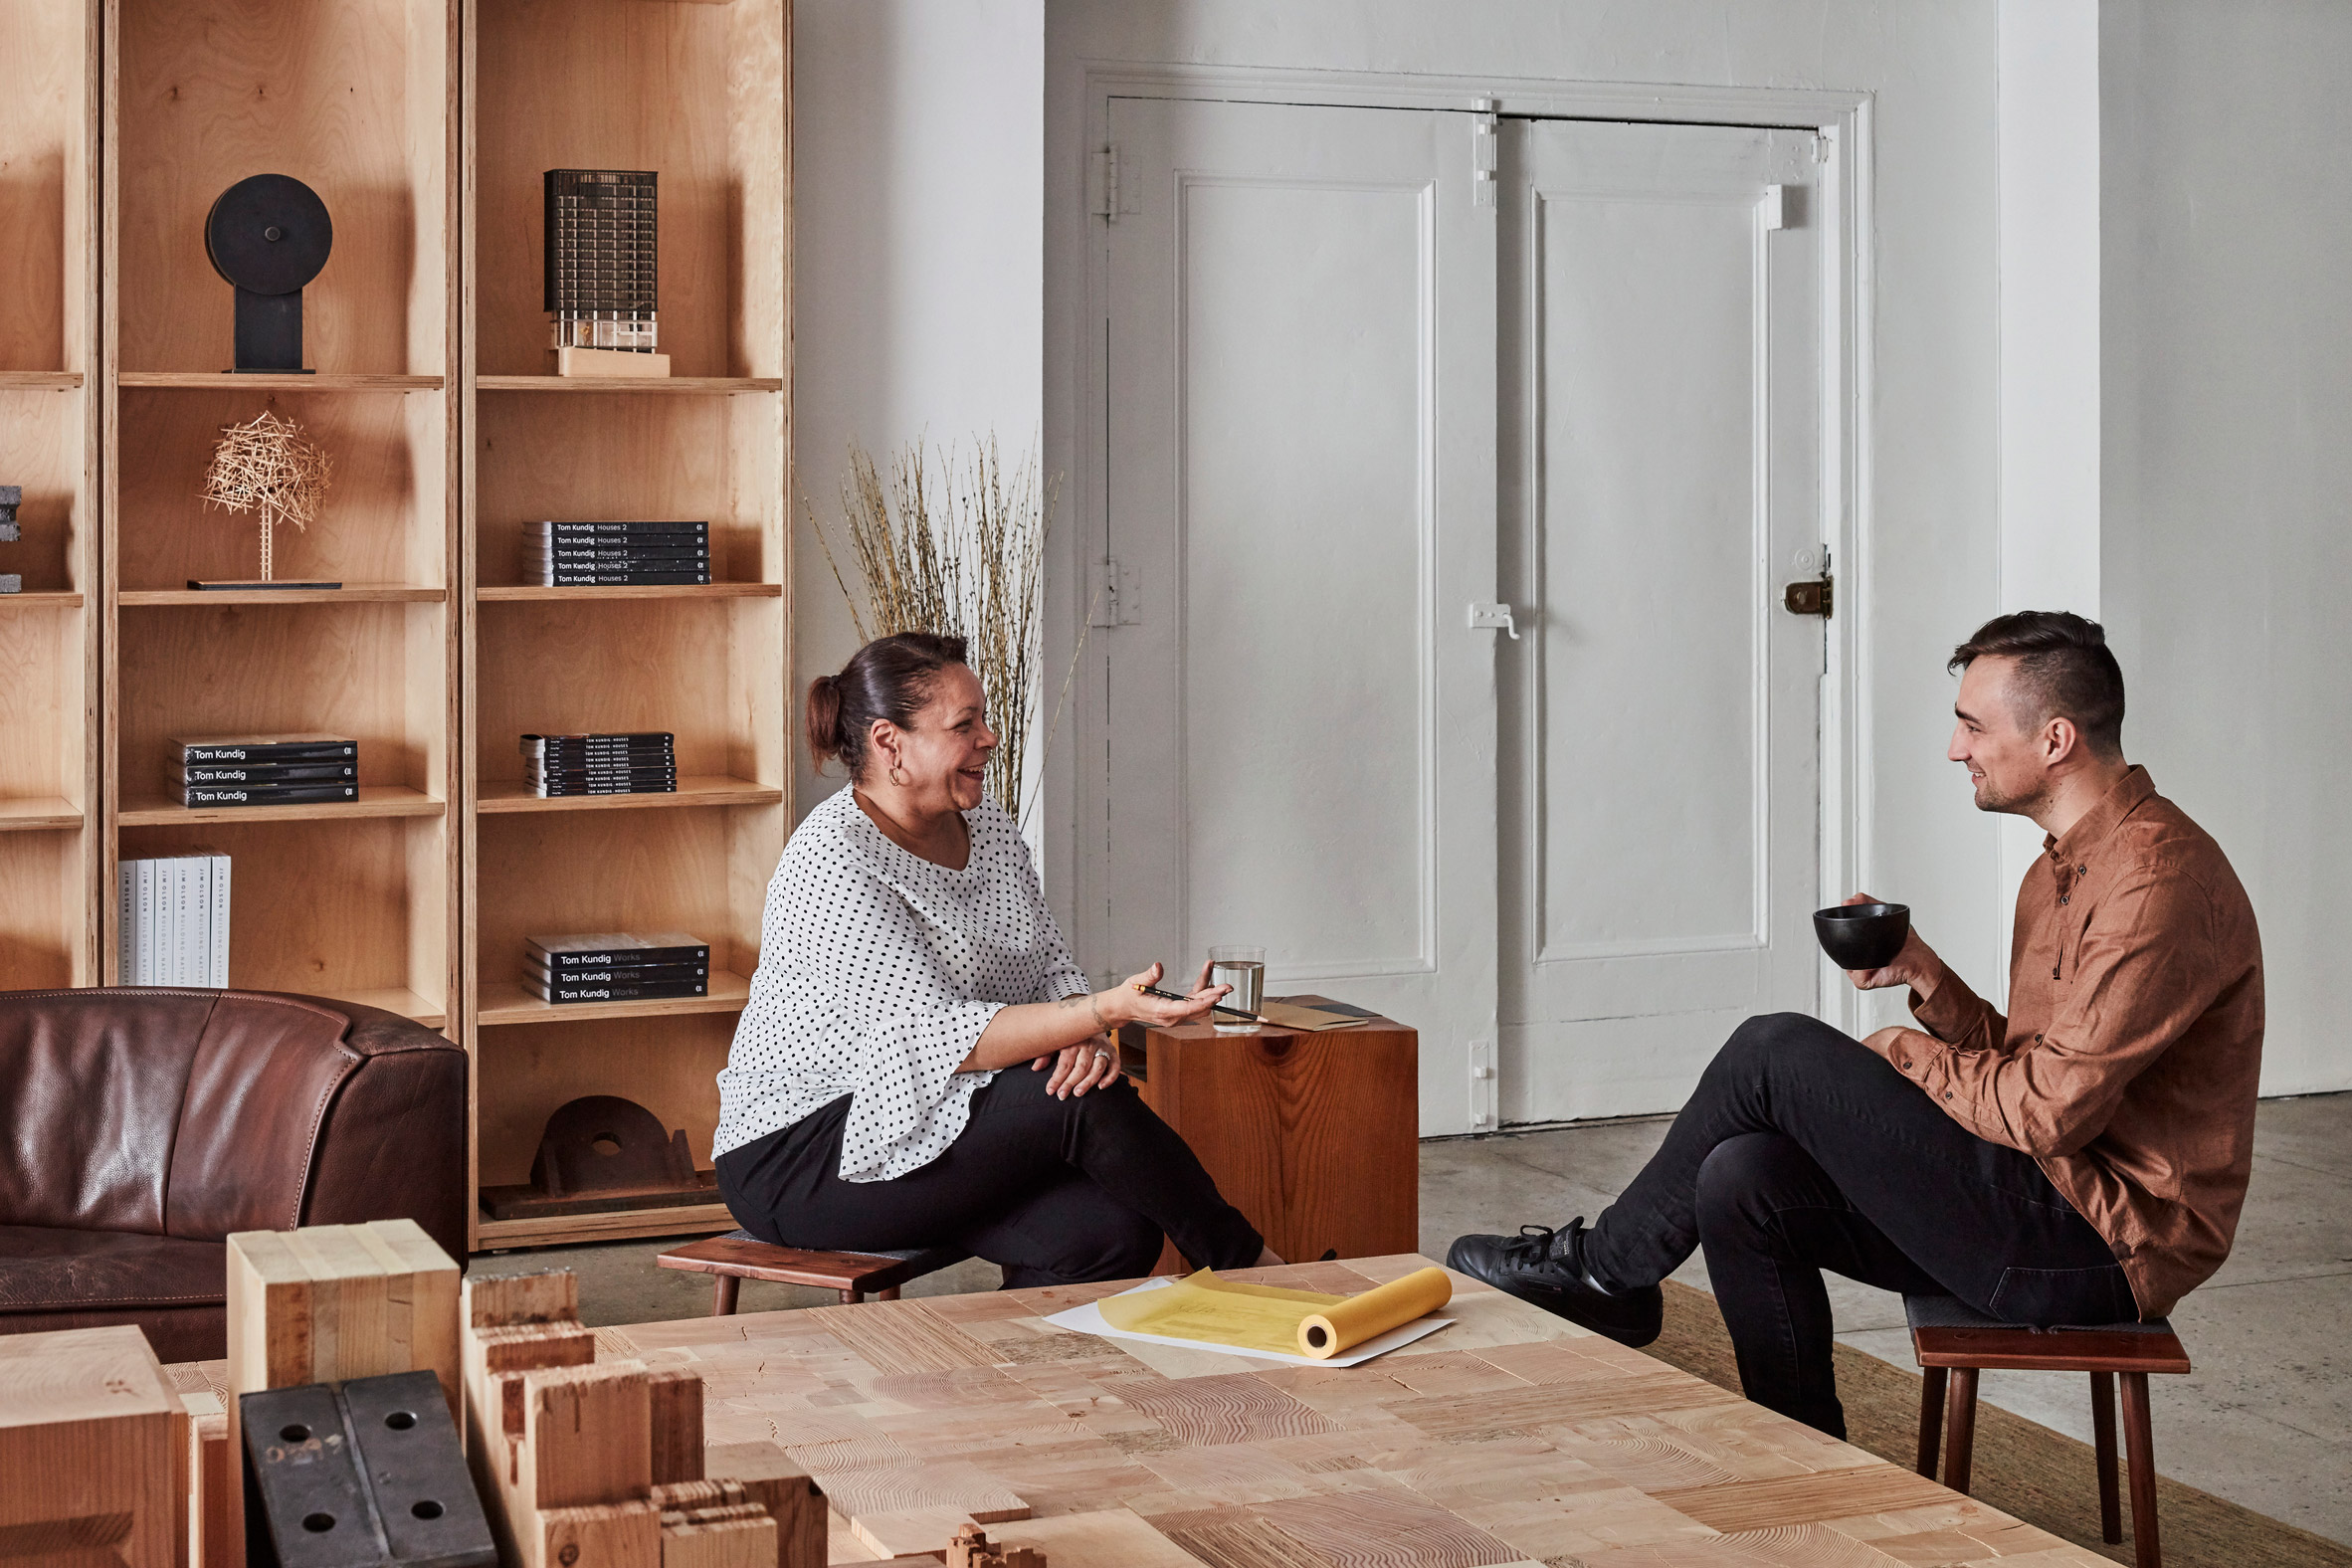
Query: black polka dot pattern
[(878, 970)]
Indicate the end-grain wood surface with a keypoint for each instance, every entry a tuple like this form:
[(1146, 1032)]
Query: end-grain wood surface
[(1314, 1136), (1509, 1438)]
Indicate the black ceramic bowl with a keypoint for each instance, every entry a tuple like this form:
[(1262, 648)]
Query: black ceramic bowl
[(1863, 935)]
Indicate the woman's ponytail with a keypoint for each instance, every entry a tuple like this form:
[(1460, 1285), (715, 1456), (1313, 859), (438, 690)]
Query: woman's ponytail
[(824, 719)]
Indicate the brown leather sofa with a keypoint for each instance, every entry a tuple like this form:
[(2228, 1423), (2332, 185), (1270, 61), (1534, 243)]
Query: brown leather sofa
[(140, 1127)]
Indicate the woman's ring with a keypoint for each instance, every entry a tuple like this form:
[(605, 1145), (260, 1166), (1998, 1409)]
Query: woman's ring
[(1102, 1054)]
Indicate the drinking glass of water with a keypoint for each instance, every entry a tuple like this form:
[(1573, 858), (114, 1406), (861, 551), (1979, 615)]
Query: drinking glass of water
[(1243, 968)]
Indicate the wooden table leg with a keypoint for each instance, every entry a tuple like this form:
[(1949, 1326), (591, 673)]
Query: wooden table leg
[(1960, 1428), (723, 1294), (2102, 1431), (2141, 1440), (892, 1294), (1931, 1416)]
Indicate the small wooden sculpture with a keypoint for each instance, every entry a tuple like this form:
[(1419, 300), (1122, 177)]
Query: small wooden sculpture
[(972, 1548), (266, 467)]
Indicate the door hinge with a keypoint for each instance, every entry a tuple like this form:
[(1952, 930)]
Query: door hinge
[(1118, 601), (1486, 152), (1102, 183), (1812, 596)]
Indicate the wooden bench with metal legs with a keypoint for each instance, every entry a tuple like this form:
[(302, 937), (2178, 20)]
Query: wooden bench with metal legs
[(740, 1256), (1954, 1342)]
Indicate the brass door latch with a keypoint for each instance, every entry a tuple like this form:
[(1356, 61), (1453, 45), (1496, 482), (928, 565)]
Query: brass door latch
[(1813, 596)]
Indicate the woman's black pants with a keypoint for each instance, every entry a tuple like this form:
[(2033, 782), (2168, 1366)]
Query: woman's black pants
[(1054, 1191), (1802, 1150)]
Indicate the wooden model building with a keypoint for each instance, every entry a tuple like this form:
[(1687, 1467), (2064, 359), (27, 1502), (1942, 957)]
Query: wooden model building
[(587, 1463), (972, 1548)]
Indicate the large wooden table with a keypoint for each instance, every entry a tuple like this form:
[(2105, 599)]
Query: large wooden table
[(1509, 1438)]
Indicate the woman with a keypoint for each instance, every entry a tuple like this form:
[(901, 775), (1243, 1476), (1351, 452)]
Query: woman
[(907, 961)]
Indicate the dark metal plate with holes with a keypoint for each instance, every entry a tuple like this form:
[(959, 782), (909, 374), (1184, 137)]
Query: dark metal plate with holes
[(357, 1475), (423, 1494), (305, 1504)]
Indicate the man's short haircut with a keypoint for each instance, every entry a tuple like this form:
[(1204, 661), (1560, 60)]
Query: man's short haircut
[(2065, 669)]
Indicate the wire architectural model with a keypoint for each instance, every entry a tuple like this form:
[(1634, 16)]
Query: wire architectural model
[(266, 467)]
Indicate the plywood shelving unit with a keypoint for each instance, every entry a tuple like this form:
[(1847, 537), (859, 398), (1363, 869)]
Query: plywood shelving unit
[(425, 126), (699, 93), (357, 99), (50, 826)]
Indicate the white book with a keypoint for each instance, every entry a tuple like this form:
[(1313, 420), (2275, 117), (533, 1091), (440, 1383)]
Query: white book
[(169, 920), (145, 974), (218, 959), (127, 917), (196, 930)]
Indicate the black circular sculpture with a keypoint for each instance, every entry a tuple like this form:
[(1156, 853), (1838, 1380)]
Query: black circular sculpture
[(267, 236)]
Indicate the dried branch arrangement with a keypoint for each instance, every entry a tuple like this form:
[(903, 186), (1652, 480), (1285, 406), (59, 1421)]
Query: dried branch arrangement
[(266, 467), (955, 542)]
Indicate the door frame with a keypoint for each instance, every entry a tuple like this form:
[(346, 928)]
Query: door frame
[(1846, 122)]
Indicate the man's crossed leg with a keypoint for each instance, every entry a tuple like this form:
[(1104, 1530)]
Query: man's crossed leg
[(1801, 1150)]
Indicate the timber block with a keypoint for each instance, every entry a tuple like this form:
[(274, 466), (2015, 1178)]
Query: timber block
[(94, 1450)]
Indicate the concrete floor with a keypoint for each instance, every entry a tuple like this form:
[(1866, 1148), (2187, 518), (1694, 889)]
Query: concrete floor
[(2265, 1421)]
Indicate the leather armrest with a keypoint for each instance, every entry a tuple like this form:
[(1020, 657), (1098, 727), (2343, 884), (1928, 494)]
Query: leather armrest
[(393, 1143)]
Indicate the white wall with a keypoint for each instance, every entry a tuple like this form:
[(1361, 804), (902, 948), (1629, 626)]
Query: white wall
[(1932, 67), (2049, 341), (918, 287), (2226, 558)]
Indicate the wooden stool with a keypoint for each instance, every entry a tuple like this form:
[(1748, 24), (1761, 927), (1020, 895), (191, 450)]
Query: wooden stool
[(1949, 1336), (739, 1256)]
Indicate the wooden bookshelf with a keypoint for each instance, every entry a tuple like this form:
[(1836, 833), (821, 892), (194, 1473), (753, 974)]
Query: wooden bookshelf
[(425, 126), (50, 765), (357, 99), (699, 93)]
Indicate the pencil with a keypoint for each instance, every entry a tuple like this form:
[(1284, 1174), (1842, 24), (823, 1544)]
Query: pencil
[(1172, 996)]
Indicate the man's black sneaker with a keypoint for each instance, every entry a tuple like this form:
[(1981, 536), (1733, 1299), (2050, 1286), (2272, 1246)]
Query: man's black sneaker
[(1545, 1268)]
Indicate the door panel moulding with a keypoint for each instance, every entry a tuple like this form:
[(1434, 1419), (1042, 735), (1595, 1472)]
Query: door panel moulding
[(1844, 122)]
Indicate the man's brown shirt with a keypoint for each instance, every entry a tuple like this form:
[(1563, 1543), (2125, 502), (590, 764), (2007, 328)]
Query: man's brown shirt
[(2127, 1064)]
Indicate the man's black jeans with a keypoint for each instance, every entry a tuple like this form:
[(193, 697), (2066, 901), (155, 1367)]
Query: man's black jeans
[(1803, 1150)]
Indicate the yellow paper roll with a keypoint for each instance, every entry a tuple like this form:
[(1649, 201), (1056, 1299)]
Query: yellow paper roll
[(1346, 1324)]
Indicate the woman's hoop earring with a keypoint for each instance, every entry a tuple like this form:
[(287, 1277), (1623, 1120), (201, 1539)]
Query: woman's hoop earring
[(895, 771)]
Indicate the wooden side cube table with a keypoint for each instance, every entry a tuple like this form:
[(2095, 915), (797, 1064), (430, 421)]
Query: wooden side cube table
[(1314, 1137)]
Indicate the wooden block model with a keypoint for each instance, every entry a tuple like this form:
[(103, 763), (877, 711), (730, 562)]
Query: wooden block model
[(588, 1463), (209, 1481), (94, 1450), (328, 1302), (972, 1548)]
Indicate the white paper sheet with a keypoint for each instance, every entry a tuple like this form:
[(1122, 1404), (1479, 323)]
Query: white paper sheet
[(1087, 1320)]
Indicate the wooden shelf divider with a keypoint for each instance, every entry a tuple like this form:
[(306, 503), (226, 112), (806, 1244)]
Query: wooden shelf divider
[(529, 593), (350, 593), (40, 814), (266, 381), (628, 386), (505, 1002)]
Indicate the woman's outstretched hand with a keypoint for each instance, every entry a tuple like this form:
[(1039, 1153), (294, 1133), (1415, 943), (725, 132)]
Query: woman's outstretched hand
[(1137, 1006)]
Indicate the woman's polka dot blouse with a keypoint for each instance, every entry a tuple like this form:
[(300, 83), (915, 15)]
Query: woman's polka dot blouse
[(878, 970)]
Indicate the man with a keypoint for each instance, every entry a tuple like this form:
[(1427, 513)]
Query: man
[(2082, 1161)]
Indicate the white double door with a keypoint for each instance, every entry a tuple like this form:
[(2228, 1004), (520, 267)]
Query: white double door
[(1346, 409)]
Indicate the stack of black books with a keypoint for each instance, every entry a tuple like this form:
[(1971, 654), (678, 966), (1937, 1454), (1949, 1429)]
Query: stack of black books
[(11, 497), (615, 554), (638, 764), (616, 966), (264, 770)]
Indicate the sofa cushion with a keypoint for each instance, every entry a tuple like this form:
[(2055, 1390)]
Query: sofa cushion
[(44, 1268)]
